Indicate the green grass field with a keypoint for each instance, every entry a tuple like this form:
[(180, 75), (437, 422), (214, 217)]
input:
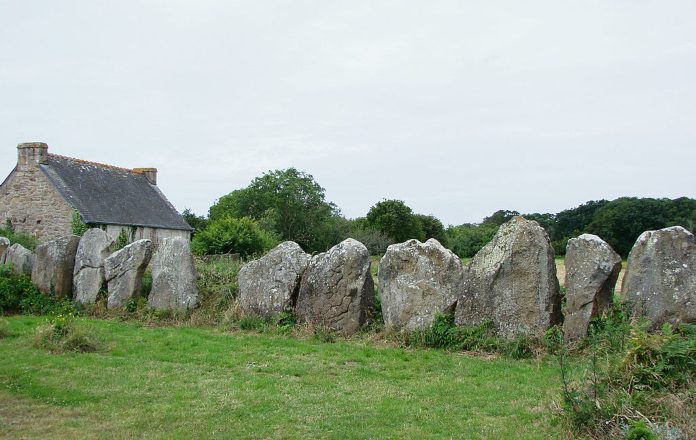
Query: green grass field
[(178, 382)]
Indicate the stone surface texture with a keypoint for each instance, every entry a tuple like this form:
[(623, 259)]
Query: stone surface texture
[(592, 268), (660, 279), (337, 290), (21, 259), (124, 271), (54, 265), (88, 278), (417, 281), (173, 276), (512, 283), (270, 285)]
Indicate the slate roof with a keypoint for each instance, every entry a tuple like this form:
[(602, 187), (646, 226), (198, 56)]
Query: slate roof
[(109, 195)]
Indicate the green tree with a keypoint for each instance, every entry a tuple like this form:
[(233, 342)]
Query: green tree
[(467, 239), (289, 203), (571, 223), (394, 219), (682, 212), (621, 221), (231, 235), (197, 222), (500, 217), (26, 240), (546, 221), (432, 228), (358, 229)]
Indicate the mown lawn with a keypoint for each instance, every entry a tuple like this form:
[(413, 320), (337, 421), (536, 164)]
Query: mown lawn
[(197, 383)]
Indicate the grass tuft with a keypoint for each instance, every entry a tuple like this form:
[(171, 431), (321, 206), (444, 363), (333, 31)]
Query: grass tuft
[(63, 334), (4, 329)]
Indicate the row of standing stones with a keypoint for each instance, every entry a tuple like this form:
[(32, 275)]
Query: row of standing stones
[(511, 282), (80, 267)]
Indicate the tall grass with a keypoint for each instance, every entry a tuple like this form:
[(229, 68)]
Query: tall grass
[(622, 380)]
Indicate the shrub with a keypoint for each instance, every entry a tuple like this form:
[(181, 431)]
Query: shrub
[(253, 323), (13, 289), (445, 335), (135, 304), (521, 347), (375, 241), (36, 303), (229, 235), (61, 333), (625, 375), (324, 334), (640, 431), (122, 240), (217, 289), (26, 240), (658, 361), (285, 321), (78, 226)]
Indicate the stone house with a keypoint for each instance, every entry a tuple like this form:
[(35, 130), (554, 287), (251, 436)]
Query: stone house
[(46, 193)]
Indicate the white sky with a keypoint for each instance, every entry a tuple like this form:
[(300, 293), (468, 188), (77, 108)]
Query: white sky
[(459, 108)]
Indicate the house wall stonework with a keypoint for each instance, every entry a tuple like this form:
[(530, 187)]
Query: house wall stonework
[(138, 233), (33, 205)]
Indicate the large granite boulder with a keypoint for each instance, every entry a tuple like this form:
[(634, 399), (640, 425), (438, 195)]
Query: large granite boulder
[(416, 282), (270, 285), (512, 283), (124, 271), (173, 276), (337, 288), (21, 259), (592, 268), (660, 278), (88, 278), (4, 245), (54, 264)]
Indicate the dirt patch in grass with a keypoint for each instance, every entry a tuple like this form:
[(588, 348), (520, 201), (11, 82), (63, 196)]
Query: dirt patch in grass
[(26, 418)]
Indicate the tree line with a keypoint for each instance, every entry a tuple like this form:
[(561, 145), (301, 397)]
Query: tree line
[(290, 205)]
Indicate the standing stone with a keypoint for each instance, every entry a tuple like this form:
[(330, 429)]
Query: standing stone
[(4, 245), (21, 259), (124, 271), (417, 281), (660, 279), (173, 276), (270, 285), (592, 268), (89, 279), (54, 264), (512, 283), (337, 288)]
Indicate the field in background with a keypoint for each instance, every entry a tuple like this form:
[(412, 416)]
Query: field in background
[(180, 382)]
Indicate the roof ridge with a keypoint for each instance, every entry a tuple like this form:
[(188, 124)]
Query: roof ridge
[(87, 162)]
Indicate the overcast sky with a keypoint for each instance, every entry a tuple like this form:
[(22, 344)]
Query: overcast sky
[(459, 108)]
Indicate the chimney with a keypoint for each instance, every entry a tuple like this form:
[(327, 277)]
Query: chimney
[(31, 154), (149, 173)]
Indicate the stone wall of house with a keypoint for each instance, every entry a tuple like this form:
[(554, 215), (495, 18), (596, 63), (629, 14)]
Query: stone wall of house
[(140, 233), (31, 202)]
